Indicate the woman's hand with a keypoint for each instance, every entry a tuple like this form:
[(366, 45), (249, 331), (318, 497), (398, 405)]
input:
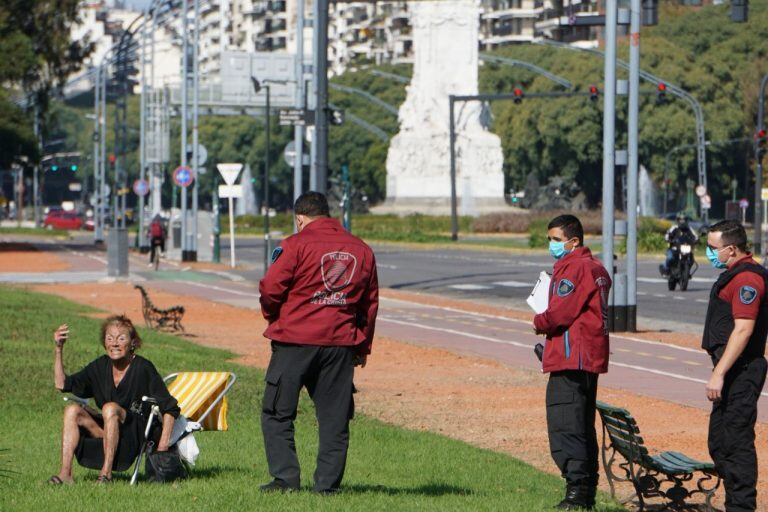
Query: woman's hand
[(60, 335)]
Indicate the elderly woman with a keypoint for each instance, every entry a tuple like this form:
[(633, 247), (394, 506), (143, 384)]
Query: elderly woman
[(116, 381)]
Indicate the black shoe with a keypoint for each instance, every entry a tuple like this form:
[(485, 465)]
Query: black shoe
[(277, 486), (578, 497)]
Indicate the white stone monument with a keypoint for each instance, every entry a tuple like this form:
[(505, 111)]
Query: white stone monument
[(445, 39)]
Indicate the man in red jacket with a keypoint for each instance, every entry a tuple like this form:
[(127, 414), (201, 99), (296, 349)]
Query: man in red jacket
[(320, 297), (576, 352)]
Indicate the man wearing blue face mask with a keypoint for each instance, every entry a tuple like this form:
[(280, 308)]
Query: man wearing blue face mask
[(735, 331), (576, 352)]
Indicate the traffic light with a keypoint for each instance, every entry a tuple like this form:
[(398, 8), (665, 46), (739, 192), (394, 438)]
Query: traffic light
[(760, 138), (336, 117), (650, 13), (593, 92), (54, 168), (740, 11), (661, 93), (518, 95), (73, 167)]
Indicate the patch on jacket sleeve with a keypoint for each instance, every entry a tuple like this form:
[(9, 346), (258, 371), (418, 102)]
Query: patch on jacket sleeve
[(276, 252), (564, 288), (747, 295)]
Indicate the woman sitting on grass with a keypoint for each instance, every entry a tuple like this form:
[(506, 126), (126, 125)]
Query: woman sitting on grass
[(117, 381)]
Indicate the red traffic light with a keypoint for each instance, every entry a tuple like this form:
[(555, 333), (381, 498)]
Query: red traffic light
[(593, 92), (662, 87), (519, 94), (112, 158), (760, 134)]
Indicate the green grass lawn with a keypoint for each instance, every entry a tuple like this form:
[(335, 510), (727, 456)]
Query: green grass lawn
[(389, 468)]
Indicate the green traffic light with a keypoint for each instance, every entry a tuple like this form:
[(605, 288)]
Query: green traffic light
[(73, 167), (54, 168)]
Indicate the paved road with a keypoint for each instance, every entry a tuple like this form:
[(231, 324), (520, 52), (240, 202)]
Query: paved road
[(506, 280), (673, 373)]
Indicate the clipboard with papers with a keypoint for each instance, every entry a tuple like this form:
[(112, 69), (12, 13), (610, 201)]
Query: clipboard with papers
[(538, 300)]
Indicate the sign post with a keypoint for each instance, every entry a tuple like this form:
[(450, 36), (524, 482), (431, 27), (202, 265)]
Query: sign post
[(230, 173), (743, 204)]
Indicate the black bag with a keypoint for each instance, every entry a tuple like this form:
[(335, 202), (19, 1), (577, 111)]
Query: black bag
[(165, 467)]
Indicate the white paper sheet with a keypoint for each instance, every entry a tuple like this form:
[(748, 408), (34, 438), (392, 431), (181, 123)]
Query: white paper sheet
[(538, 300)]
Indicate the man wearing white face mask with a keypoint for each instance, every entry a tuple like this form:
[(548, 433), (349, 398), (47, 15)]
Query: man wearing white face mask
[(735, 331), (576, 352)]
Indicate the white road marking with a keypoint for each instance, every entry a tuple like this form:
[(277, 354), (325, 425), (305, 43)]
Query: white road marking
[(382, 265), (514, 284), (525, 322), (651, 280), (470, 286), (218, 288), (526, 345)]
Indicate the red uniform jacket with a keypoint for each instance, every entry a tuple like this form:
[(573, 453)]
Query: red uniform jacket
[(322, 289), (576, 320)]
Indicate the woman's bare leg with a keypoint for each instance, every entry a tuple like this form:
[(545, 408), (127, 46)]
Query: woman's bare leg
[(74, 417), (114, 416)]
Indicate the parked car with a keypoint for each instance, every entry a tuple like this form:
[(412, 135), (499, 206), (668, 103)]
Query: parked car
[(59, 219)]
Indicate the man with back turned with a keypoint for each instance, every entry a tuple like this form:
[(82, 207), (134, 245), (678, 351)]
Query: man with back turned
[(575, 353), (320, 297), (735, 330)]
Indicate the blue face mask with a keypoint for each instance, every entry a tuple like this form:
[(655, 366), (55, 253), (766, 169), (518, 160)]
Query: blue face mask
[(557, 249), (712, 255)]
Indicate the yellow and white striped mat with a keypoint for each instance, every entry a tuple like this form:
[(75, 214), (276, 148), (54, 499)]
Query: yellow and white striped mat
[(196, 391)]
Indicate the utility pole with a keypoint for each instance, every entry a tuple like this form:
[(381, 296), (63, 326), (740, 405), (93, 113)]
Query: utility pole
[(192, 247), (143, 245), (98, 234), (633, 162), (184, 113), (758, 236), (320, 24), (36, 171), (609, 137), (298, 130)]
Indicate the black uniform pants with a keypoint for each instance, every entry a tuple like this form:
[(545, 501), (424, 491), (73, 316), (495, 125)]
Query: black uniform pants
[(571, 396), (327, 374), (732, 433)]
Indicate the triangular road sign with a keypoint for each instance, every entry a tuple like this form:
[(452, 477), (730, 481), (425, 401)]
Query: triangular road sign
[(229, 172)]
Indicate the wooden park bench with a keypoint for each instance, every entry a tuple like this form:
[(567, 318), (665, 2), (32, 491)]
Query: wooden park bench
[(653, 476), (157, 318)]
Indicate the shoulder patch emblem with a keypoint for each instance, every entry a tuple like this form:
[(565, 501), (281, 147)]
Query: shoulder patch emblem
[(276, 252), (747, 295), (564, 288)]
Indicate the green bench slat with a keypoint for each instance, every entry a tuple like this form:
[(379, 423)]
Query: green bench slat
[(623, 424), (623, 435), (682, 459)]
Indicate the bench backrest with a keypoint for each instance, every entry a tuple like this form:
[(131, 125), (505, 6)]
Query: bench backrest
[(623, 432)]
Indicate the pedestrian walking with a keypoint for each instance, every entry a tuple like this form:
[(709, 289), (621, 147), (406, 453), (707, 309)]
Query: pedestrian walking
[(575, 353), (320, 297), (735, 331)]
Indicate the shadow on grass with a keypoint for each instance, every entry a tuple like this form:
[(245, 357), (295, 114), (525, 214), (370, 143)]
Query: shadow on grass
[(433, 489)]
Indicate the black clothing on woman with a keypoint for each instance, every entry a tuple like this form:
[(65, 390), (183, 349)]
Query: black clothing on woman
[(96, 381)]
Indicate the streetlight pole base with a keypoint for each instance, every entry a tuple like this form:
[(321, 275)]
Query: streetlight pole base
[(188, 255), (143, 249)]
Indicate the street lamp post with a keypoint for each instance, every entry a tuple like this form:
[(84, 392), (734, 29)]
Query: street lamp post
[(257, 86), (758, 237)]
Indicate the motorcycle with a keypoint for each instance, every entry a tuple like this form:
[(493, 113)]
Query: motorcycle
[(683, 265)]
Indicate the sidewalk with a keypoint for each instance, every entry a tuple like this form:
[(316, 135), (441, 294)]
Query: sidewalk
[(467, 397)]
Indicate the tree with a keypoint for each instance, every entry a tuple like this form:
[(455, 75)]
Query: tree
[(38, 56)]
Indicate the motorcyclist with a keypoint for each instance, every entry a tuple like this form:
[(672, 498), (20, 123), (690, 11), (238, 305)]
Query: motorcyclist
[(679, 230)]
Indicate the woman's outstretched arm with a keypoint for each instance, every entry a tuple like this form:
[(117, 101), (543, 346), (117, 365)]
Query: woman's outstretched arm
[(59, 337)]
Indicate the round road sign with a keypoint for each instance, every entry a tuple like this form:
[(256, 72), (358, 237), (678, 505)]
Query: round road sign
[(183, 176), (701, 190), (743, 204), (141, 187)]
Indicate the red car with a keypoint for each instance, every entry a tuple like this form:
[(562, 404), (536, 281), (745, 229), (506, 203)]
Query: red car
[(62, 220)]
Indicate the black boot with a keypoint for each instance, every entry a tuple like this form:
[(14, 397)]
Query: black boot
[(578, 497)]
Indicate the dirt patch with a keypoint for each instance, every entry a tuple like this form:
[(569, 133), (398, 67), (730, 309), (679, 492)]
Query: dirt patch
[(478, 401), (21, 257)]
